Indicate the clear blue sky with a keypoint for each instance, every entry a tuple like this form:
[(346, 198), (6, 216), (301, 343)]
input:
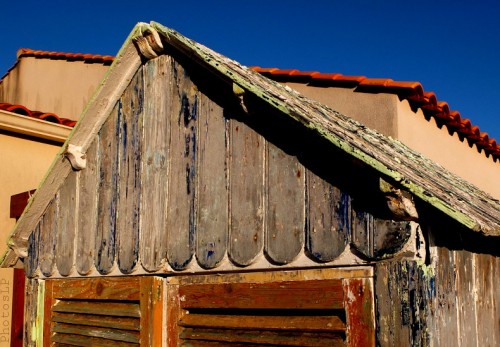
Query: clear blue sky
[(451, 47)]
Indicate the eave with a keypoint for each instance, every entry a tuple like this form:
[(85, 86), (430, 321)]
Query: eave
[(18, 124)]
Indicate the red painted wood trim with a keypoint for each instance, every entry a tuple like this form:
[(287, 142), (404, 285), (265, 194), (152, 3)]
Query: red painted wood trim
[(17, 324), (18, 202)]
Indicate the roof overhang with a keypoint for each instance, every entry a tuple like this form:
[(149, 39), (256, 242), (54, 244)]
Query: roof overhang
[(396, 163), (37, 128)]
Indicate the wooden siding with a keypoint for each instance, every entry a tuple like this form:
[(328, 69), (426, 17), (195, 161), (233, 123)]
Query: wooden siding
[(181, 177)]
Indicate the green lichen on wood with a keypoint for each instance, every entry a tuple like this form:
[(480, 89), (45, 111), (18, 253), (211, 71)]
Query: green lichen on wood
[(288, 102)]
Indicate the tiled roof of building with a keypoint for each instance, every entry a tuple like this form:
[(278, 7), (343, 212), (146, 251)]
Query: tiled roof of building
[(45, 116), (411, 91), (87, 58)]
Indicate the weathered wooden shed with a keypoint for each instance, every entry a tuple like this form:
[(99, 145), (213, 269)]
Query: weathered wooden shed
[(197, 203)]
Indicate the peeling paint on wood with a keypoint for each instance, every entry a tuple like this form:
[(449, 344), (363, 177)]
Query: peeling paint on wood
[(155, 156), (285, 210), (87, 212), (246, 175), (66, 224), (47, 244), (108, 175), (129, 175), (212, 186)]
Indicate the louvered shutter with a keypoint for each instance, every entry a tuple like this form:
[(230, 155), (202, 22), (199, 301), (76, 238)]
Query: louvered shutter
[(103, 311), (321, 312)]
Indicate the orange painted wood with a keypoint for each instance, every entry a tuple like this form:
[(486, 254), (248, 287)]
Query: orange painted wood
[(262, 322), (102, 288), (315, 294), (259, 337)]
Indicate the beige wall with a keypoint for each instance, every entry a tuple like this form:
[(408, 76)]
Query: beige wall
[(58, 86), (23, 163), (392, 117)]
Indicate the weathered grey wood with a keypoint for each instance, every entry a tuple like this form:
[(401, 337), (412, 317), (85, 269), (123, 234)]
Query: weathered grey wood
[(465, 298), (403, 296), (285, 215), (378, 238), (154, 158), (393, 160), (129, 171), (106, 217), (47, 238), (31, 265), (31, 313), (246, 174), (496, 298), (66, 224), (488, 325), (212, 186), (182, 169), (328, 219), (445, 315), (87, 211)]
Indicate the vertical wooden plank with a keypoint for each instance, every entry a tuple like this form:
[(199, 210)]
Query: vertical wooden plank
[(392, 302), (108, 154), (87, 211), (129, 167), (48, 302), (47, 244), (445, 318), (31, 265), (30, 312), (152, 317), (358, 299), (182, 170), (465, 288), (173, 315), (496, 300), (328, 219), (212, 193), (488, 325), (246, 189), (18, 296), (154, 161), (66, 224), (285, 215)]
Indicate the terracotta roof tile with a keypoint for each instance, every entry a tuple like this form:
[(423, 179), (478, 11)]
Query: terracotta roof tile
[(91, 58), (45, 116), (411, 91)]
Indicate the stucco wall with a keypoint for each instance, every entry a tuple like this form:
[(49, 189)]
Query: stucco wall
[(376, 111), (447, 150), (56, 86)]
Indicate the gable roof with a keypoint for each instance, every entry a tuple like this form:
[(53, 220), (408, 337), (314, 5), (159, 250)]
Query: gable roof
[(411, 91), (396, 163)]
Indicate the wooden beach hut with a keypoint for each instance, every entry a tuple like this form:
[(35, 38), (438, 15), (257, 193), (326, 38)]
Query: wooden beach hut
[(198, 203)]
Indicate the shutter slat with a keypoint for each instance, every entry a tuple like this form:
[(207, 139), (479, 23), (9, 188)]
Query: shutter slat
[(90, 331), (78, 340), (260, 337), (97, 321), (107, 308), (314, 294), (296, 323)]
